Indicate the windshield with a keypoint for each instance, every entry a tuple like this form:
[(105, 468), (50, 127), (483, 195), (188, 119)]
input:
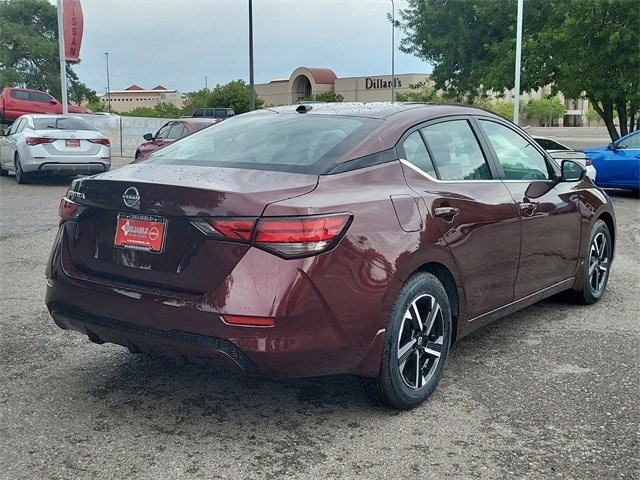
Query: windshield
[(267, 141), (62, 123)]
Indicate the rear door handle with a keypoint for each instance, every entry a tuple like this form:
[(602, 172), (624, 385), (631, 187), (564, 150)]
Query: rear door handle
[(446, 211)]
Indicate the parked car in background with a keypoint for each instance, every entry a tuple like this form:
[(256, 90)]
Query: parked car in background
[(15, 101), (325, 239), (219, 113), (53, 145), (618, 164), (170, 132), (560, 152)]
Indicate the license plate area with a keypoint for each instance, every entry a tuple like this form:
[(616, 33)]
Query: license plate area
[(72, 143), (140, 232)]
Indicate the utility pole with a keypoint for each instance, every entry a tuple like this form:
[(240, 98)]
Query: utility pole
[(252, 93), (516, 99), (206, 84), (106, 54), (393, 52)]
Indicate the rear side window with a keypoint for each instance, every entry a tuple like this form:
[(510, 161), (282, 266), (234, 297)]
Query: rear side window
[(455, 151), (518, 158), (416, 153), (267, 141), (19, 94)]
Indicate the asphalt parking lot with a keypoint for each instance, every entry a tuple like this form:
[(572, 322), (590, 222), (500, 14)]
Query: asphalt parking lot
[(549, 392)]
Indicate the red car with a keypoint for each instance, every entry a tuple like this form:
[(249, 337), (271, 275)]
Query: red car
[(170, 132), (15, 102), (328, 239)]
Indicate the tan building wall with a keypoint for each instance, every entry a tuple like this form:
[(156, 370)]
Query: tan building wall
[(129, 99), (305, 82)]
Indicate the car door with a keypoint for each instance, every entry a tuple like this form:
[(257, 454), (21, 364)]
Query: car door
[(551, 226), (17, 104), (472, 210), (44, 103), (620, 166), (9, 144)]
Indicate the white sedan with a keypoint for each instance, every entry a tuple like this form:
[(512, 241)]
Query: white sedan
[(560, 152), (54, 145)]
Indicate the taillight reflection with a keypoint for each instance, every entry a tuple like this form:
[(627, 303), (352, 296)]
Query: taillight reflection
[(68, 210)]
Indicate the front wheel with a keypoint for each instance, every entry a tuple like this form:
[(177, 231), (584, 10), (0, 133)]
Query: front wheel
[(416, 345), (597, 264)]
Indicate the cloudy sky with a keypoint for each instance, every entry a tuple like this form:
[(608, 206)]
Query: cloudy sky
[(176, 42)]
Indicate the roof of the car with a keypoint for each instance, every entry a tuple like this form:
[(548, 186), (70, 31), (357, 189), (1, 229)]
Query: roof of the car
[(199, 120), (379, 110)]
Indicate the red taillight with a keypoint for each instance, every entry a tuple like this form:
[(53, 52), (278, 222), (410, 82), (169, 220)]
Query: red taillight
[(588, 162), (69, 210), (287, 236), (37, 140), (101, 141), (246, 321), (232, 228)]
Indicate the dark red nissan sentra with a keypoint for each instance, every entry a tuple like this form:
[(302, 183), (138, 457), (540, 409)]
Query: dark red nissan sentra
[(328, 239)]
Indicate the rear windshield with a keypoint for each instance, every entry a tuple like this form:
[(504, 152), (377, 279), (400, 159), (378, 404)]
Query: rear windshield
[(58, 123), (266, 141)]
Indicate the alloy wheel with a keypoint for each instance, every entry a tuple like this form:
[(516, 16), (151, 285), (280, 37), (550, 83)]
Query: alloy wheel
[(420, 341), (599, 258)]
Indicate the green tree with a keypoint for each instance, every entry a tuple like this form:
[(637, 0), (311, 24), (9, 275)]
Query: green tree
[(234, 95), (502, 108), (545, 110), (423, 93), (29, 49), (576, 46), (330, 97)]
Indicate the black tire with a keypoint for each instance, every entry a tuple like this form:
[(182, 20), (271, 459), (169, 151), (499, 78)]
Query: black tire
[(21, 176), (413, 343), (597, 265)]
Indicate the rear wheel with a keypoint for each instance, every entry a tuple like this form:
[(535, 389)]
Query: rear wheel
[(596, 265), (21, 176), (416, 345)]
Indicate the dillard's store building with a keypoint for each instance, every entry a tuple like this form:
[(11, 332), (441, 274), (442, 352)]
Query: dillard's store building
[(305, 82)]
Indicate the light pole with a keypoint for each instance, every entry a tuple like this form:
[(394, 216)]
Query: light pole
[(106, 54), (516, 99), (393, 52), (206, 84), (252, 93)]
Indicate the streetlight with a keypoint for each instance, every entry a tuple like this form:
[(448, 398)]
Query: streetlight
[(206, 84), (106, 54), (393, 52), (252, 93)]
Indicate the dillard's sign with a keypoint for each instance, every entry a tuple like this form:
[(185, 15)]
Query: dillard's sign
[(375, 83)]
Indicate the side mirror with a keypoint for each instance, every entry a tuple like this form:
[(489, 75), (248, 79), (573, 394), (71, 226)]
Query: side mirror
[(612, 146), (148, 136), (572, 171)]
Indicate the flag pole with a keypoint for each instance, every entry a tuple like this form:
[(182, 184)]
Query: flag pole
[(63, 63)]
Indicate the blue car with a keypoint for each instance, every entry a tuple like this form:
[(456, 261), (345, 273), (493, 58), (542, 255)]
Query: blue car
[(618, 164)]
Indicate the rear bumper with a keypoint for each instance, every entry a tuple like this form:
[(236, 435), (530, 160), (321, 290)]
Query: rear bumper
[(312, 335), (77, 168)]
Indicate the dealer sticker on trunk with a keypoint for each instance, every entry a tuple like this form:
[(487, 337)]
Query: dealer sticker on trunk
[(140, 232)]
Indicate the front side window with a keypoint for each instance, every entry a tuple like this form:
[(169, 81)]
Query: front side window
[(631, 142), (455, 151), (519, 158), (176, 132), (39, 97), (416, 153), (164, 131)]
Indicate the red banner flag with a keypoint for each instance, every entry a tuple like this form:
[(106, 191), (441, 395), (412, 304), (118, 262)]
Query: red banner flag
[(73, 23)]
